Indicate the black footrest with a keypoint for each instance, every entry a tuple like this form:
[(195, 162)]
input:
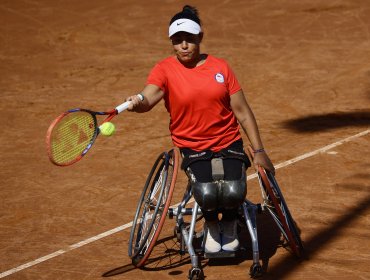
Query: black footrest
[(219, 255)]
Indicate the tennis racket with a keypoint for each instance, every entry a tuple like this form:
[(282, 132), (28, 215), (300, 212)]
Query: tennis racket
[(72, 134)]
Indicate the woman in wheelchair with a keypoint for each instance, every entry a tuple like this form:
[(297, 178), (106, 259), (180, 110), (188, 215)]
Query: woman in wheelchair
[(207, 106)]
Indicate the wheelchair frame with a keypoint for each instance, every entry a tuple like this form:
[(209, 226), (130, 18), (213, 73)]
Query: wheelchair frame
[(154, 207)]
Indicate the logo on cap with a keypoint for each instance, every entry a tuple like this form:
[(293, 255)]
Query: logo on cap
[(219, 78)]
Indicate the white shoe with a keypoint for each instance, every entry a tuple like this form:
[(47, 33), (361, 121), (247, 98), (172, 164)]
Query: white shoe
[(230, 240), (213, 237)]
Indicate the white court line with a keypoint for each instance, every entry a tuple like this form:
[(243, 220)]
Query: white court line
[(315, 152), (62, 251), (128, 225)]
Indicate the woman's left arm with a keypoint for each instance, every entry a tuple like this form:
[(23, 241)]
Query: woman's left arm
[(248, 122)]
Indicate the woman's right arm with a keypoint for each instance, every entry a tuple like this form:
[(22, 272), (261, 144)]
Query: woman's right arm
[(152, 95)]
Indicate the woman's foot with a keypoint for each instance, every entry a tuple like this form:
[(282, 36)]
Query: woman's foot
[(230, 241), (213, 237)]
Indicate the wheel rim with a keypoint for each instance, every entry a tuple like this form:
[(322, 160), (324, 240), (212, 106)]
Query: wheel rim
[(149, 222)]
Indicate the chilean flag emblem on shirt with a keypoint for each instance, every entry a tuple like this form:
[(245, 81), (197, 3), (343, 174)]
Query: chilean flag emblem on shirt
[(219, 78)]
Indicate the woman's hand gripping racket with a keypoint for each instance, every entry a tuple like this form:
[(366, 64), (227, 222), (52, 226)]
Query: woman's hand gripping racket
[(71, 135)]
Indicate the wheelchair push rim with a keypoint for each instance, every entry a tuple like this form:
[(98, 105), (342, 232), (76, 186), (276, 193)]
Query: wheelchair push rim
[(279, 211), (152, 207)]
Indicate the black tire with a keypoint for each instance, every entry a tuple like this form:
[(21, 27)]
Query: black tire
[(279, 211), (152, 207), (196, 273), (255, 270)]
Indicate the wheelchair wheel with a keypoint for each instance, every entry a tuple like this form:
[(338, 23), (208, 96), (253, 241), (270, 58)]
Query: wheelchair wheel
[(152, 207), (277, 207)]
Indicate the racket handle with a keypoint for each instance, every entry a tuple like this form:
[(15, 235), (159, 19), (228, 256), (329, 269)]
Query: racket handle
[(124, 106)]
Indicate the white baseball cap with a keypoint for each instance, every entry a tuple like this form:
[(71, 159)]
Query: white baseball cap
[(185, 25)]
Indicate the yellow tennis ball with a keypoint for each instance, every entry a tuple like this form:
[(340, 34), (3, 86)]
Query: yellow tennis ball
[(107, 129)]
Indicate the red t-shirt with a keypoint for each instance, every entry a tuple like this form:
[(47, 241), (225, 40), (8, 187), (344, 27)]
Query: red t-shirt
[(198, 101)]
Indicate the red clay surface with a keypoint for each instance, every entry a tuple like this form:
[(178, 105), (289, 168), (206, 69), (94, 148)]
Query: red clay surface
[(305, 68)]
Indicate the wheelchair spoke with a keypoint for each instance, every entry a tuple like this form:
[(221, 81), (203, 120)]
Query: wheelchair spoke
[(153, 206)]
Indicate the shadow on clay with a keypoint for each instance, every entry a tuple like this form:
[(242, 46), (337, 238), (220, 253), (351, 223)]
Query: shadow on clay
[(269, 240), (326, 122), (167, 256), (318, 241)]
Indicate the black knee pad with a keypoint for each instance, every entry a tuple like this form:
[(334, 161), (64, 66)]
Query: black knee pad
[(232, 193), (206, 195)]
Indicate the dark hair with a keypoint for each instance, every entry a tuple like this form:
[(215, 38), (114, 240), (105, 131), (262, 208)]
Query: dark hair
[(188, 12)]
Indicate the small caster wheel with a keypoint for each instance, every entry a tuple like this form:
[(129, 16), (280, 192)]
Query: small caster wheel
[(256, 270), (196, 273)]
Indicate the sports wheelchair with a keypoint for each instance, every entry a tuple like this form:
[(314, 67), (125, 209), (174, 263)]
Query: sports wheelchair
[(154, 207)]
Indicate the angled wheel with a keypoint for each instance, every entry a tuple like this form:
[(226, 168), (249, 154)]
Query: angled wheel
[(152, 207), (277, 207)]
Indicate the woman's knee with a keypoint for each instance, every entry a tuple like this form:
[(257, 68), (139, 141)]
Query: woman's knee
[(206, 195), (233, 193)]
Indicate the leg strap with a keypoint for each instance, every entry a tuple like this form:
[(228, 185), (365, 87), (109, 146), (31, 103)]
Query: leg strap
[(220, 194), (217, 169)]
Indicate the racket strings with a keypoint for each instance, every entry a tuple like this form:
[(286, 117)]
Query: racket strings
[(71, 136)]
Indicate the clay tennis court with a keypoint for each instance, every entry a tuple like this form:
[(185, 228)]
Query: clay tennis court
[(305, 69)]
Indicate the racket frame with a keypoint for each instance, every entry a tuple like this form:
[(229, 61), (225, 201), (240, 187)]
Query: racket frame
[(111, 114)]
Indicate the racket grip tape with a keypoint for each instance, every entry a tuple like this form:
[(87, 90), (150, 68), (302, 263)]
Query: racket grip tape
[(124, 106)]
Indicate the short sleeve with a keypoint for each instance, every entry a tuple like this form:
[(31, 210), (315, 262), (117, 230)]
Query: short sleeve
[(232, 82), (157, 77)]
